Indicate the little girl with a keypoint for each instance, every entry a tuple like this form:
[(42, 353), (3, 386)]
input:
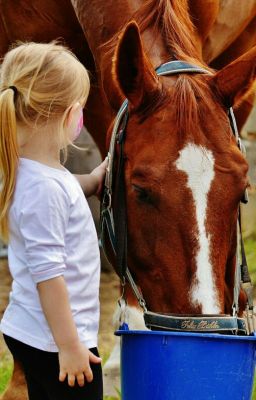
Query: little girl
[(51, 322)]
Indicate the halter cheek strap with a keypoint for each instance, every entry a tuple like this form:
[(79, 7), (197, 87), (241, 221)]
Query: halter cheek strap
[(114, 231)]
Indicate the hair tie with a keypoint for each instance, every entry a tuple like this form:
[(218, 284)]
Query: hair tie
[(15, 90)]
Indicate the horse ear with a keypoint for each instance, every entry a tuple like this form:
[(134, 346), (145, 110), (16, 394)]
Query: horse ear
[(235, 80), (132, 70)]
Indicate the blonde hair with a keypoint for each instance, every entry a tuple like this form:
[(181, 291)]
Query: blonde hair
[(39, 83)]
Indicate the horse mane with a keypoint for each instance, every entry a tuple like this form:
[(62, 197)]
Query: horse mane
[(171, 20)]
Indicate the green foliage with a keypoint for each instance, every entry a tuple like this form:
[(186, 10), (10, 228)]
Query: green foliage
[(254, 390), (5, 371), (250, 249), (117, 397)]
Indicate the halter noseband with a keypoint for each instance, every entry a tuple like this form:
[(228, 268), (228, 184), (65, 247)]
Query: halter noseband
[(114, 230)]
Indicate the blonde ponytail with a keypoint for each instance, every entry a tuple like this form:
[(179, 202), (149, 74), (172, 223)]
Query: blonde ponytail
[(39, 82), (8, 156)]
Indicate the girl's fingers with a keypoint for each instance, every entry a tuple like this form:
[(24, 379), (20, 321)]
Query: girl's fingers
[(80, 379), (88, 374), (62, 376), (71, 380), (94, 359)]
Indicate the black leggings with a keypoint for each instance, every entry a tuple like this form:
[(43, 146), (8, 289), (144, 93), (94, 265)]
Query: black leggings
[(41, 370)]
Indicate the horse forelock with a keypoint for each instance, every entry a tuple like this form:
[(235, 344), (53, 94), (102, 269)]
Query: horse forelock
[(193, 104)]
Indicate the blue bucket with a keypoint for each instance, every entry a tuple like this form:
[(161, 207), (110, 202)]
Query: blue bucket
[(157, 365)]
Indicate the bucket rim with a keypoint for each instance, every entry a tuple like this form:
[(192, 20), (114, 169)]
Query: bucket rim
[(217, 336)]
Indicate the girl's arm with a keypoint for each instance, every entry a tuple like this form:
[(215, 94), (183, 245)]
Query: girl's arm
[(74, 357), (92, 183)]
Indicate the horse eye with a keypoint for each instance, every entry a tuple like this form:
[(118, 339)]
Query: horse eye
[(143, 195)]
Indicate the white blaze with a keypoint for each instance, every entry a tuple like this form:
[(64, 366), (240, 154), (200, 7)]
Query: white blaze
[(198, 163)]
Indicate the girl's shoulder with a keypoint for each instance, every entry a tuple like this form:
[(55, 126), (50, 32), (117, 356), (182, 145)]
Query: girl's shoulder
[(41, 182), (35, 180), (42, 192)]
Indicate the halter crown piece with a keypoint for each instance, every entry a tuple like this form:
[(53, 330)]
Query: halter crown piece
[(114, 231)]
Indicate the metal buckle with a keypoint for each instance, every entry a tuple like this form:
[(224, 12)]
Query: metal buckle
[(241, 146), (107, 200), (250, 319), (142, 303), (123, 318), (250, 309)]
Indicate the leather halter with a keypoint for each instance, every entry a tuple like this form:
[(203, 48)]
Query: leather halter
[(114, 231)]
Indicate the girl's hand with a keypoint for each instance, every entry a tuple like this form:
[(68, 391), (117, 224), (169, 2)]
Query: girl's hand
[(75, 364), (99, 173), (92, 183)]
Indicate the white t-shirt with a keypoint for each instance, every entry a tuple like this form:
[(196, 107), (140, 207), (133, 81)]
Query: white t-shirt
[(52, 233)]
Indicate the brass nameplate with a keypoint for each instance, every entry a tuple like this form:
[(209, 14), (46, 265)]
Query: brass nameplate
[(196, 325)]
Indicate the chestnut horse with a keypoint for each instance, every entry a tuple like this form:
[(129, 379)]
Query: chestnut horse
[(184, 174)]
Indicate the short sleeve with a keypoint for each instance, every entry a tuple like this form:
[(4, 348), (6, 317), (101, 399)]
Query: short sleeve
[(43, 221)]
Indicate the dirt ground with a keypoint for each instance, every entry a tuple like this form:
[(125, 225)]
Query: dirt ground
[(109, 291)]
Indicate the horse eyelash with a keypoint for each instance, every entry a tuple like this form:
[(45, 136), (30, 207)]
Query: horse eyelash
[(143, 195)]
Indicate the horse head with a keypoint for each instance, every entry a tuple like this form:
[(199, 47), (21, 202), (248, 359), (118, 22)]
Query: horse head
[(184, 179)]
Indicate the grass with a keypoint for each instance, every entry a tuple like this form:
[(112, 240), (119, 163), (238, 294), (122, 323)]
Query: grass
[(114, 398), (250, 247), (5, 371), (254, 391), (250, 250)]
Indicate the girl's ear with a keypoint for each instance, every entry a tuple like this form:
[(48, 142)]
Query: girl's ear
[(132, 71), (70, 114), (235, 80)]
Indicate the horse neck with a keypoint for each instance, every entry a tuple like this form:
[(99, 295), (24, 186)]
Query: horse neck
[(101, 20)]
